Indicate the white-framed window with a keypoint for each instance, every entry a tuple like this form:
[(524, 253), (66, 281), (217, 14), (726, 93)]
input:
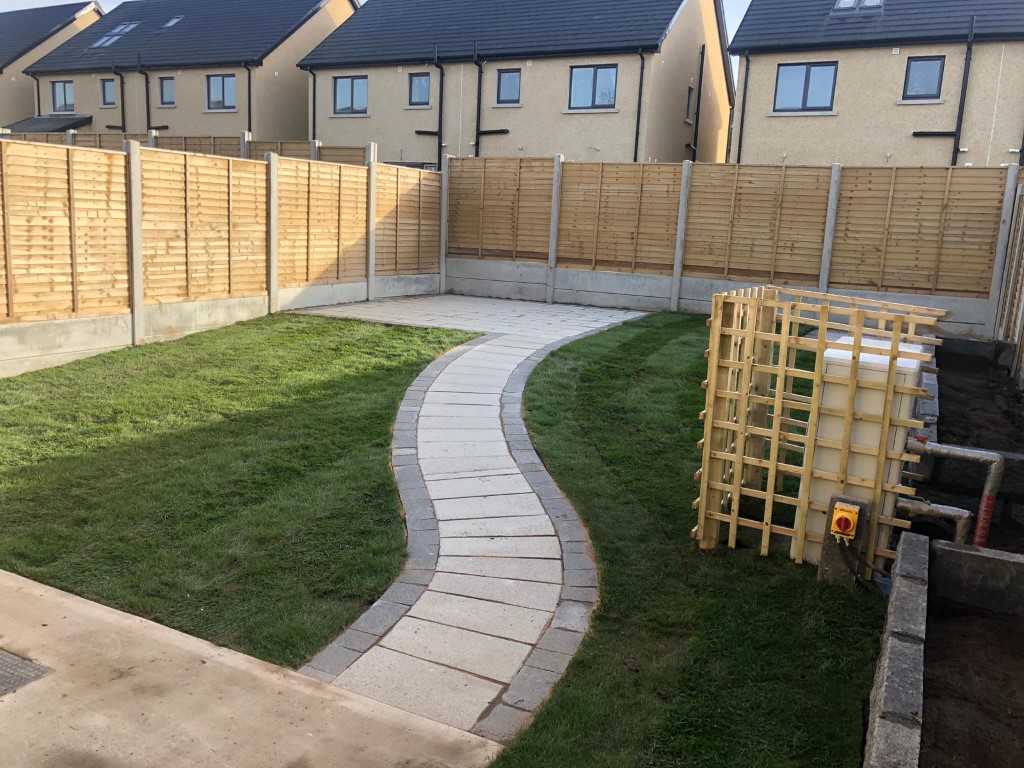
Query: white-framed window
[(167, 92), (220, 92), (924, 77), (108, 93), (63, 95), (807, 87), (510, 83), (593, 87), (351, 95), (852, 5), (172, 21), (419, 89)]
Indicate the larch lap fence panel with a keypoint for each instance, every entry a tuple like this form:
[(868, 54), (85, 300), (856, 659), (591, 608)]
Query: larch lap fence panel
[(1010, 324), (342, 155), (37, 138), (63, 232), (765, 444), (500, 208), (918, 230), (755, 223), (226, 146), (322, 223), (408, 229), (619, 217), (204, 227), (299, 150)]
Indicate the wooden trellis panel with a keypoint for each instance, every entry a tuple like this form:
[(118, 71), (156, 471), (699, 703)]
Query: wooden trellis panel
[(63, 232), (764, 405)]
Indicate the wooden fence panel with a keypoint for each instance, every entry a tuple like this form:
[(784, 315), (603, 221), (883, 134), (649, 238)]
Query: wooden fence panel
[(343, 155), (408, 220), (204, 227), (63, 232), (756, 223), (38, 138), (918, 230), (500, 208)]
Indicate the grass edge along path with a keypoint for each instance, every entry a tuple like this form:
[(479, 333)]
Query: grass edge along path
[(693, 659), (235, 484)]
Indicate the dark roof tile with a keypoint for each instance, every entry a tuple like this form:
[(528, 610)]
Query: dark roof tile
[(21, 31)]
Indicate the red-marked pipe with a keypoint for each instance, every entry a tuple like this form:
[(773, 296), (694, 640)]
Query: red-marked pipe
[(993, 480)]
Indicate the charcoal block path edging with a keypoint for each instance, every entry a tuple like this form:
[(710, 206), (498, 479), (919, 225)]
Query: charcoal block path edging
[(500, 583)]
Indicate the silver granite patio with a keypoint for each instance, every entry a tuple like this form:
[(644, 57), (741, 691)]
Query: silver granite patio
[(499, 584)]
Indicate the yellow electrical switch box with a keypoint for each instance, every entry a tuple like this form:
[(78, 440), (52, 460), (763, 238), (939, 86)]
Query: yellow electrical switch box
[(844, 520)]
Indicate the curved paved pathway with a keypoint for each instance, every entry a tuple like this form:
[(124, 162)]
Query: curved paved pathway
[(499, 586)]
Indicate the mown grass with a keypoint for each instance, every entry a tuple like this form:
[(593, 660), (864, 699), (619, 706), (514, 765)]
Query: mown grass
[(725, 659), (235, 485)]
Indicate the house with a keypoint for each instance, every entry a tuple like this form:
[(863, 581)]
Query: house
[(877, 82), (598, 80), (27, 35), (188, 68)]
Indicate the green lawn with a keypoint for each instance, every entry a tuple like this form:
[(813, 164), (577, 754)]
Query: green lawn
[(694, 659), (235, 485)]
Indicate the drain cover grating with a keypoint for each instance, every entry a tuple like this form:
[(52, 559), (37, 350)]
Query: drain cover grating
[(16, 672)]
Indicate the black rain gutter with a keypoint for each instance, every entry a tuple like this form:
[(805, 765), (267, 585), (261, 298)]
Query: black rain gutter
[(639, 106), (700, 97), (248, 97), (963, 94), (743, 109)]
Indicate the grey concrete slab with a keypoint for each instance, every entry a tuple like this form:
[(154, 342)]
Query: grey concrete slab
[(548, 571), (504, 505), (528, 594), (500, 620), (535, 525), (510, 546), (530, 688)]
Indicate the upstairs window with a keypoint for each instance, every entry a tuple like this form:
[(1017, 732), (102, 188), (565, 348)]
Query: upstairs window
[(419, 89), (924, 77), (220, 92), (108, 93), (172, 21), (805, 87), (167, 92), (115, 34), (593, 87), (509, 85), (63, 95), (350, 95)]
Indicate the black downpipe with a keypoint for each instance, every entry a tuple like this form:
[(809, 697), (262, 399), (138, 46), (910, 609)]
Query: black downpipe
[(440, 111), (743, 110), (312, 73), (963, 95), (123, 127), (479, 98), (700, 96), (248, 98), (639, 108)]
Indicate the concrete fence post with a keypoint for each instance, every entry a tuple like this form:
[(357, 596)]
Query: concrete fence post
[(69, 136), (136, 275), (314, 149), (371, 152), (830, 227), (243, 144), (677, 262), (445, 191), (556, 204), (273, 208), (995, 294), (371, 228), (151, 138)]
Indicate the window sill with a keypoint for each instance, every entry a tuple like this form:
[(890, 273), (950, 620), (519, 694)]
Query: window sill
[(108, 106), (349, 117), (418, 106), (507, 106), (905, 102), (808, 113), (220, 111), (166, 106), (600, 111)]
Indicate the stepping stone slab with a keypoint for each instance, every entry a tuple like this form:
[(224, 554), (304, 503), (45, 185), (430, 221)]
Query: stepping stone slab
[(535, 525), (512, 622), (505, 505), (491, 657), (421, 687), (462, 449), (527, 594), (477, 486), (525, 546), (547, 571)]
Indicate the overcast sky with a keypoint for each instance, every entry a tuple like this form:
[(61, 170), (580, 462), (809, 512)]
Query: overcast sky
[(734, 9)]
